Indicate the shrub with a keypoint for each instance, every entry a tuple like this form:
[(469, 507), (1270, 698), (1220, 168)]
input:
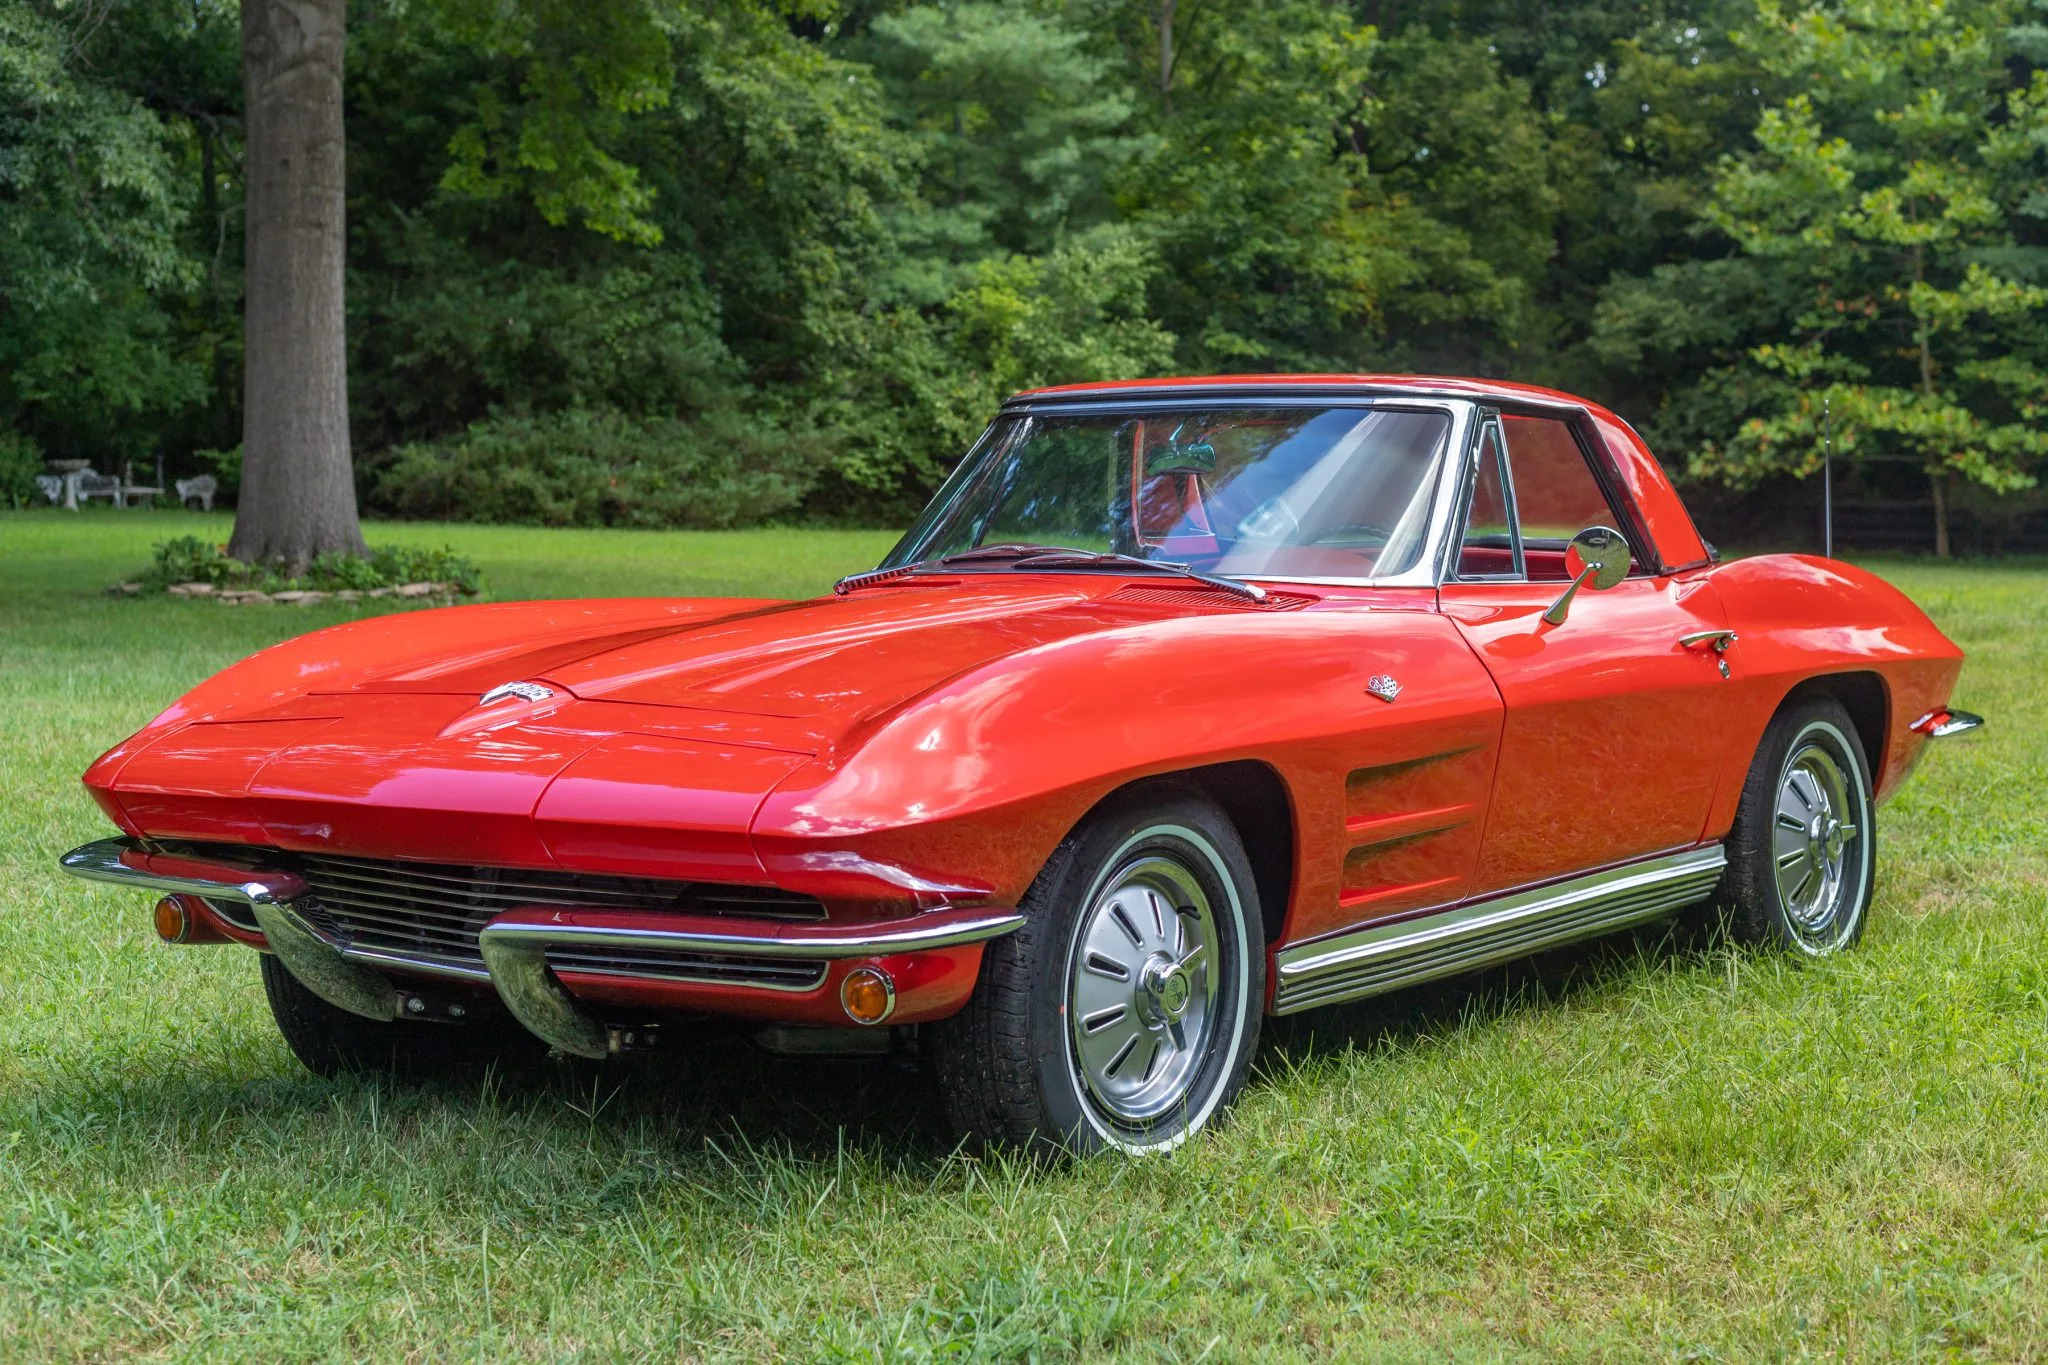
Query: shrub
[(20, 462), (188, 559), (603, 468)]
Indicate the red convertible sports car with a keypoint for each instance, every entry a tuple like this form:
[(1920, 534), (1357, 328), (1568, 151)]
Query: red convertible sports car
[(1184, 702)]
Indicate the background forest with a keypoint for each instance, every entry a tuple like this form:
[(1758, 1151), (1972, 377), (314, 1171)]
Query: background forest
[(704, 263)]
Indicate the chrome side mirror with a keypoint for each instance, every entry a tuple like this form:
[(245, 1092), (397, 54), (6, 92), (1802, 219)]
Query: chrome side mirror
[(1597, 558)]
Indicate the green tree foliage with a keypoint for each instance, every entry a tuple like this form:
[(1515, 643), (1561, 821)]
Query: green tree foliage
[(92, 258), (1021, 127), (1883, 203), (746, 258)]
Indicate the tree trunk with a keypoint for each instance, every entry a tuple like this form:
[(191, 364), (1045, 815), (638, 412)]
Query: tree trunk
[(1939, 483), (298, 495), (1166, 56)]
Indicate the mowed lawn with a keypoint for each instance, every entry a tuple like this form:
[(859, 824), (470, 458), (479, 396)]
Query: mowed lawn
[(1647, 1149)]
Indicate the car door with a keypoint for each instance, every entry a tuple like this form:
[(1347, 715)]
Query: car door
[(1613, 730)]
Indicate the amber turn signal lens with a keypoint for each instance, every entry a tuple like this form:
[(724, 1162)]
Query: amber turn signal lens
[(173, 925), (867, 995)]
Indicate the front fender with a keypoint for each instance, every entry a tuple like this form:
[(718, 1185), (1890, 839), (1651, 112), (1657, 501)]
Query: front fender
[(979, 779)]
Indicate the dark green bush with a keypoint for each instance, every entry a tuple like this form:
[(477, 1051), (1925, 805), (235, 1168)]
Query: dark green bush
[(188, 559), (603, 468), (20, 462)]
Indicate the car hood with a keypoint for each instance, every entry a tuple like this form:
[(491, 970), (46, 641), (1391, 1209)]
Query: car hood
[(838, 660), (402, 759)]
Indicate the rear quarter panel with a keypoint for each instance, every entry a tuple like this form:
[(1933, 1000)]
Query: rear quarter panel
[(1797, 618)]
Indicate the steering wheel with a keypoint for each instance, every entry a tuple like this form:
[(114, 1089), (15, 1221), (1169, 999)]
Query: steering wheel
[(1272, 522), (1357, 535)]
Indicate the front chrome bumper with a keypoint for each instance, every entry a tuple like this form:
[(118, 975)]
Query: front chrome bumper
[(515, 944), (125, 862)]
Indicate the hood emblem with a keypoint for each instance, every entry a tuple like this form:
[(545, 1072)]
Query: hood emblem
[(1383, 686), (525, 691)]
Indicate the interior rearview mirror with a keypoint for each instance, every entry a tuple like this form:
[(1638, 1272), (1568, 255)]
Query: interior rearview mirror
[(1597, 558), (1197, 457)]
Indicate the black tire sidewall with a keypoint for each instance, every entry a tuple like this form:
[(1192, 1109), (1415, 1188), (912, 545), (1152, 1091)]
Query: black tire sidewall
[(1199, 837), (1761, 913)]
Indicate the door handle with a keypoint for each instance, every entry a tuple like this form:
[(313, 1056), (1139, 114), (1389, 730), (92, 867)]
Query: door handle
[(1716, 640)]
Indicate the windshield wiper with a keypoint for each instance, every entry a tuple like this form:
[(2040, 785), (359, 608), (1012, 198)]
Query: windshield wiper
[(1007, 550), (1110, 560), (1027, 556)]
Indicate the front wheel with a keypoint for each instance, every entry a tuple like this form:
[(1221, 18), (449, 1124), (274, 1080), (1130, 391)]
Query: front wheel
[(1124, 1013), (1803, 848)]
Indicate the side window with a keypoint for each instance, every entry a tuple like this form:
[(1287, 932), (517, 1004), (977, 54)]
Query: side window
[(1555, 493), (1490, 549)]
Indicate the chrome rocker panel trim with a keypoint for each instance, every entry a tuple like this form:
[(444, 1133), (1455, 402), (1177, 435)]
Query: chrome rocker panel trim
[(1463, 938), (515, 949)]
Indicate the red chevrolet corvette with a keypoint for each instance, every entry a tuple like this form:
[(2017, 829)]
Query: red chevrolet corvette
[(1183, 703)]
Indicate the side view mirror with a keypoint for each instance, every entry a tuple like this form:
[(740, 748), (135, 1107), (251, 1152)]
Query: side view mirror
[(1597, 558)]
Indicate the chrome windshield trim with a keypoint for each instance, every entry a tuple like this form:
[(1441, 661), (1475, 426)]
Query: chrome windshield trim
[(1444, 497), (1286, 393), (126, 862)]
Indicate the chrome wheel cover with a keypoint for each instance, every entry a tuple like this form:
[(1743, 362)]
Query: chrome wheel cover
[(1817, 847), (1143, 1000)]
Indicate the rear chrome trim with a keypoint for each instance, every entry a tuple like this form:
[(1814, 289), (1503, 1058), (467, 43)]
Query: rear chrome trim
[(1463, 938), (124, 862), (1944, 721)]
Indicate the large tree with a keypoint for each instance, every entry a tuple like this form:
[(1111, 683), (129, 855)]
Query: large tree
[(298, 494), (92, 271), (586, 68), (1883, 276)]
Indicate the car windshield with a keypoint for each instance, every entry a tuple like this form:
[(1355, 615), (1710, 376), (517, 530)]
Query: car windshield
[(1239, 491)]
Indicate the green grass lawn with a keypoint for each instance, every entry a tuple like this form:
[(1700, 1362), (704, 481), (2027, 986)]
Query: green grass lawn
[(1635, 1150)]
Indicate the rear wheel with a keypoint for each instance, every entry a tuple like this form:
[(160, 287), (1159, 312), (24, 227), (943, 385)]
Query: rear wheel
[(1124, 1013), (332, 1041), (1803, 848)]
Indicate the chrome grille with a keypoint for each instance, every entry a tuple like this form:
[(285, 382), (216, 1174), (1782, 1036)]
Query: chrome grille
[(436, 911), (428, 915)]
